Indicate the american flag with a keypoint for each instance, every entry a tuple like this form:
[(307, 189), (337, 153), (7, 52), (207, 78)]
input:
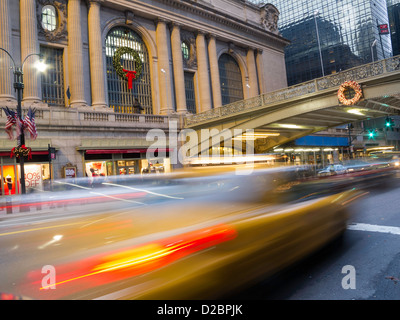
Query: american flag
[(11, 120), (29, 123)]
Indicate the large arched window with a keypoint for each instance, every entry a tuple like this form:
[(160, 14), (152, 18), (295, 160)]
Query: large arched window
[(120, 97), (231, 79)]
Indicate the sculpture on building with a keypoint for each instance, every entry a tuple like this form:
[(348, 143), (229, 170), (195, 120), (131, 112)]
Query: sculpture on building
[(269, 18)]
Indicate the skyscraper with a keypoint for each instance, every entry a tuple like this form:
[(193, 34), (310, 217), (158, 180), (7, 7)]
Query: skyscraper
[(331, 35), (394, 19)]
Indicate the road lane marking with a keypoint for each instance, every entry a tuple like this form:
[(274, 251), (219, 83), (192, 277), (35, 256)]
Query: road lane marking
[(42, 228), (374, 228), (143, 190)]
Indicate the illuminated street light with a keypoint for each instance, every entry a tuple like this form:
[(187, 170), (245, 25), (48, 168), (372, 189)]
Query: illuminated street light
[(19, 88)]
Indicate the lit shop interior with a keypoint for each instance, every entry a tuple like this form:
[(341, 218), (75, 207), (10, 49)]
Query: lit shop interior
[(37, 173), (315, 150), (125, 162)]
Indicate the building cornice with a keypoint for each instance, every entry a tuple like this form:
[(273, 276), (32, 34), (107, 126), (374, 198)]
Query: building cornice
[(173, 10)]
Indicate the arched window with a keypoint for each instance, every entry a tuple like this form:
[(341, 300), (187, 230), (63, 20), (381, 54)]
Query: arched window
[(231, 79), (120, 97)]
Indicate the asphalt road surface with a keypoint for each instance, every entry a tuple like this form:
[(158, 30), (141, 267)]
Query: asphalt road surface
[(369, 251)]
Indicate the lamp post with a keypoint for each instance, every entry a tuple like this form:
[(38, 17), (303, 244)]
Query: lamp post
[(19, 88), (372, 50), (319, 45)]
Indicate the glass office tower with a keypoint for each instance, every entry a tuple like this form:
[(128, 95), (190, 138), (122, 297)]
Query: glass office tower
[(394, 19), (339, 33)]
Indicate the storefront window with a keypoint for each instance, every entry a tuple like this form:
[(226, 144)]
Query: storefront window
[(96, 169), (125, 164), (37, 177), (9, 180), (127, 167)]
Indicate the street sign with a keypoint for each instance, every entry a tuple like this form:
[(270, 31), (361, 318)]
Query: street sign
[(52, 153), (383, 29)]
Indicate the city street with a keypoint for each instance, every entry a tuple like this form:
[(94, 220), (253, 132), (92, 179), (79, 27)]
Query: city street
[(375, 256), (81, 243)]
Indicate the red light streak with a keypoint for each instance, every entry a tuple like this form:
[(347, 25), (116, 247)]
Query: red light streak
[(150, 256)]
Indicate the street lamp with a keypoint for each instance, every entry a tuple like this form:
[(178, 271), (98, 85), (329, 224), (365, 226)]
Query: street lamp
[(19, 88), (372, 50), (319, 45)]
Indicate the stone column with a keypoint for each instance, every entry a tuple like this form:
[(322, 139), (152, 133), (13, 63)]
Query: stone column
[(96, 55), (252, 70), (260, 71), (178, 69), (214, 70), (202, 71), (164, 70), (6, 78), (75, 54), (29, 45)]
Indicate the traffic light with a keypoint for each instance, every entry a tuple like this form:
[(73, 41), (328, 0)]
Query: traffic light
[(389, 123), (372, 134)]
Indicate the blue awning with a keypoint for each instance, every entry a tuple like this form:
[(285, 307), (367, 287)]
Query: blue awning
[(322, 141)]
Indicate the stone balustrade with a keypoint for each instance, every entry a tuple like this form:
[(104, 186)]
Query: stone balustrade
[(87, 117)]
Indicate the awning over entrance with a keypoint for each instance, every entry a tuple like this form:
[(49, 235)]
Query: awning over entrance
[(124, 146), (141, 150), (322, 141)]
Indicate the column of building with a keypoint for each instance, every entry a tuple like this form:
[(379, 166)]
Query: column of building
[(202, 70), (6, 79), (214, 70), (29, 45), (179, 77), (75, 54), (252, 71), (96, 54), (164, 70), (260, 69)]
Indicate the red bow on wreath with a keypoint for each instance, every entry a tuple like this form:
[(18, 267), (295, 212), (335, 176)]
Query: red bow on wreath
[(130, 75)]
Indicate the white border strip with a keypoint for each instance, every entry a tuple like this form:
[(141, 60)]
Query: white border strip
[(374, 228)]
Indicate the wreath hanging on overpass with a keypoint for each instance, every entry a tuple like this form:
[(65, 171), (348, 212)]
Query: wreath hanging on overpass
[(349, 85), (123, 73)]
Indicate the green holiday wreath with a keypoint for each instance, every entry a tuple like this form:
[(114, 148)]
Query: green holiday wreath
[(117, 61)]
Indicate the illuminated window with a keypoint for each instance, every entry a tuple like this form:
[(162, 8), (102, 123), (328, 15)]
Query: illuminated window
[(120, 97), (53, 78), (185, 51), (49, 18)]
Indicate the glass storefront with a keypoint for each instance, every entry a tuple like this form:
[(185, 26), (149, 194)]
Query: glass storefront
[(112, 162), (126, 167), (8, 175), (37, 176)]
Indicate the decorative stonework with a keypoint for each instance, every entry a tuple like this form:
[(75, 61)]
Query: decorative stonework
[(269, 18), (189, 38), (60, 33)]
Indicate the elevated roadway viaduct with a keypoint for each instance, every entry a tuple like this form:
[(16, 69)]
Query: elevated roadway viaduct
[(306, 108)]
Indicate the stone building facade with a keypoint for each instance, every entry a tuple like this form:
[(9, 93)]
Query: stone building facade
[(189, 56)]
